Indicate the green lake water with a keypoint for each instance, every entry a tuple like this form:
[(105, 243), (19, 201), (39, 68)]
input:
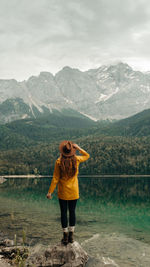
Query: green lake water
[(113, 216)]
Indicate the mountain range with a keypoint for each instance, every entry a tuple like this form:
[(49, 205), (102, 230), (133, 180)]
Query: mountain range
[(109, 92)]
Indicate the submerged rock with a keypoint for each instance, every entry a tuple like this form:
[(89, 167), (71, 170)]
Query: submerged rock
[(71, 255)]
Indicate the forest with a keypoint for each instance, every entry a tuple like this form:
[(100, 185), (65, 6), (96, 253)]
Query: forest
[(30, 146), (108, 155)]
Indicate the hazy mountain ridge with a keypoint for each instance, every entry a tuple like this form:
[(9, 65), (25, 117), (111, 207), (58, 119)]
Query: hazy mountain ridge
[(109, 92)]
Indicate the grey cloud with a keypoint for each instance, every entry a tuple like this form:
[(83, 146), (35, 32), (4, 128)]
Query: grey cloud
[(48, 34)]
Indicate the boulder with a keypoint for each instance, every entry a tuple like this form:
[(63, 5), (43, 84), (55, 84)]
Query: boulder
[(71, 255)]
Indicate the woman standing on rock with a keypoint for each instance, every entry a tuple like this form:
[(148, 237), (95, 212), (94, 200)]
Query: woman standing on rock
[(66, 176)]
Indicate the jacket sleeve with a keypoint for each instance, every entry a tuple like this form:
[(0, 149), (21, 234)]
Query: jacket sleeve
[(55, 179), (85, 156)]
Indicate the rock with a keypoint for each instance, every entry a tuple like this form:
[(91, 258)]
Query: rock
[(11, 252), (4, 263), (92, 262), (2, 180), (71, 255), (7, 243)]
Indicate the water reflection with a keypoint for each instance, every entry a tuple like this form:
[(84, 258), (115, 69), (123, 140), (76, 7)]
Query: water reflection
[(111, 211)]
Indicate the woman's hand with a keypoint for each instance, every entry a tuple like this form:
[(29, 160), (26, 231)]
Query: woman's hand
[(49, 196), (77, 147)]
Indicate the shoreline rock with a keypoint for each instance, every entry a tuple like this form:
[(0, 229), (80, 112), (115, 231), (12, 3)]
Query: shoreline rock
[(72, 255), (4, 263)]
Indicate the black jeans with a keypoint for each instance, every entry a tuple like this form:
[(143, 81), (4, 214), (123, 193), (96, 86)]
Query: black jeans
[(64, 206)]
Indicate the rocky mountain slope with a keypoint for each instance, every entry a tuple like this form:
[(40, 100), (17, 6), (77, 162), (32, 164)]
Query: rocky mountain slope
[(109, 92)]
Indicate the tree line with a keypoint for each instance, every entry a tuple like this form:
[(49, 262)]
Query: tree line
[(108, 155)]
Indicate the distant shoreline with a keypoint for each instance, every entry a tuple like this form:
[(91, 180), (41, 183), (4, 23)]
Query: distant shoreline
[(80, 176)]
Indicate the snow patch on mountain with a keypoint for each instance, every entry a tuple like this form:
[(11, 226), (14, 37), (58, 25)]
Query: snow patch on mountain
[(104, 97), (25, 116), (35, 104), (30, 105), (49, 107), (68, 100), (88, 116), (101, 98), (145, 88)]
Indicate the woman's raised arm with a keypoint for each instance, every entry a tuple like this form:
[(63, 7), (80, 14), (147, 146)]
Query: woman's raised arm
[(85, 156)]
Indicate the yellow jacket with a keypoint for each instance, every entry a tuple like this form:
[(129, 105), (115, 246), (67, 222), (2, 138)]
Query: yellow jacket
[(68, 188)]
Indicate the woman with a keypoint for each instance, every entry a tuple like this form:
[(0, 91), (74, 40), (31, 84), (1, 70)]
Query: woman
[(66, 176)]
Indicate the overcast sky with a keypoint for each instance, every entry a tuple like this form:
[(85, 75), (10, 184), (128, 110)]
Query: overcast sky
[(46, 35)]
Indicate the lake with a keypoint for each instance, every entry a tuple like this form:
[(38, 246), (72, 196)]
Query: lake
[(113, 216)]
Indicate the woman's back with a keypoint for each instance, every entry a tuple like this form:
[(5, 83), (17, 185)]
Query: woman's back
[(68, 187)]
